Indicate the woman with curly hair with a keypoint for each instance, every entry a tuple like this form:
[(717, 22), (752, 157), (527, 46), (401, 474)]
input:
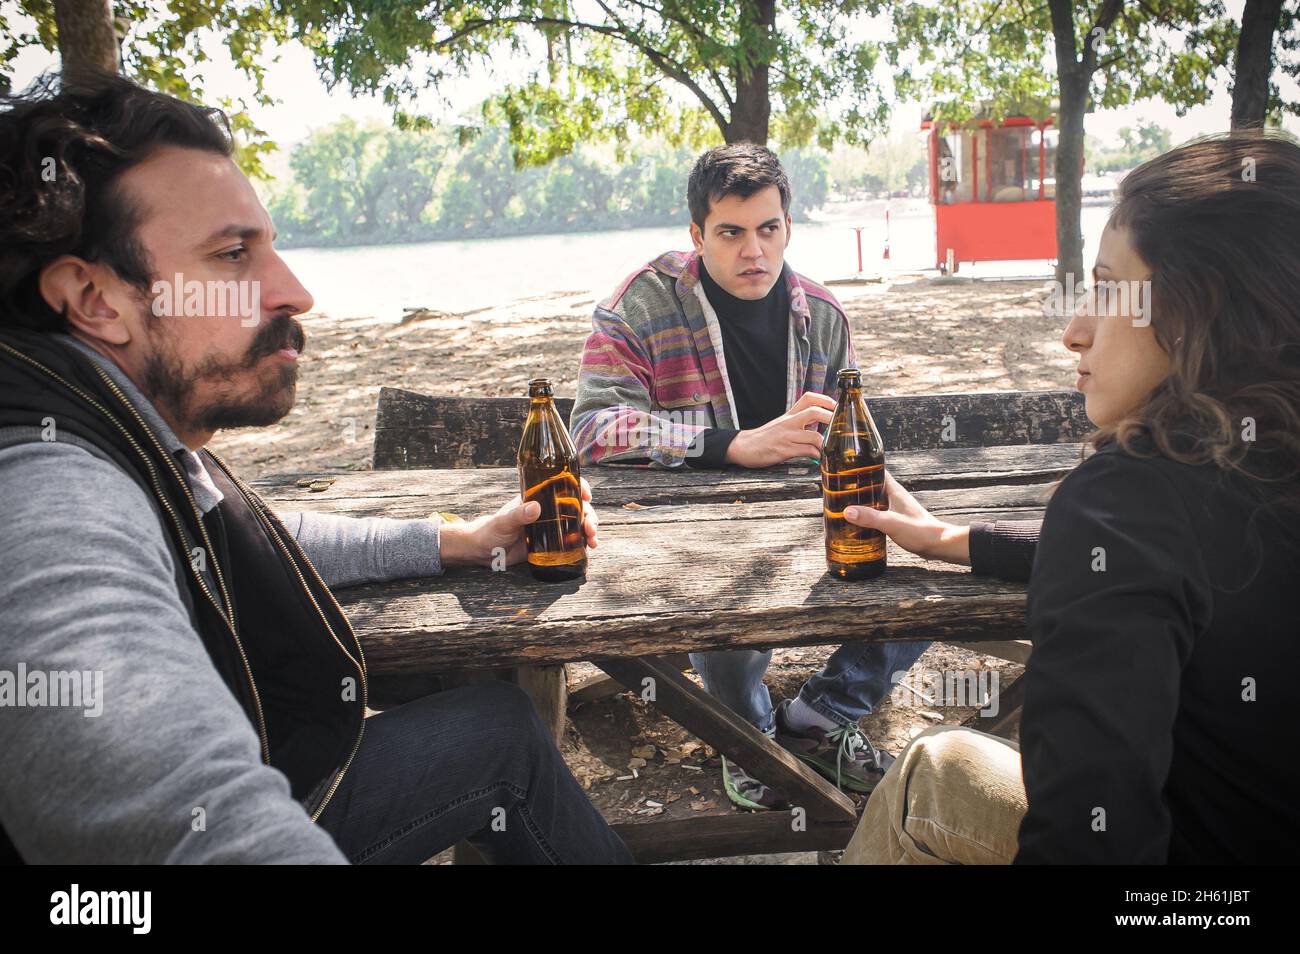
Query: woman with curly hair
[(1157, 725)]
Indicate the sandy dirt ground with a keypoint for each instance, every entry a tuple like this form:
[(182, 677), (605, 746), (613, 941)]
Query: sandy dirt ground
[(912, 337)]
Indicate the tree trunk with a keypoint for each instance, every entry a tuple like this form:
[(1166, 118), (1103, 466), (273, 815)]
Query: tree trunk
[(1073, 78), (751, 113), (87, 38), (1254, 63), (1069, 183)]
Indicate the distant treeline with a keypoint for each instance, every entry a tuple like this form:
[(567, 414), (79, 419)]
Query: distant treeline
[(365, 185), (1135, 147)]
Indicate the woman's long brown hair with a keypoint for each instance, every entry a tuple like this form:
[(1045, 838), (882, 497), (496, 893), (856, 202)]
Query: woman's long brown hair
[(1218, 222)]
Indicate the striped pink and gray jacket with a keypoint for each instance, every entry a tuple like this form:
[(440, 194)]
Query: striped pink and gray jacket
[(653, 372)]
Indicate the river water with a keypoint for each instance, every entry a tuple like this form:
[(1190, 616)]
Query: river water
[(379, 281)]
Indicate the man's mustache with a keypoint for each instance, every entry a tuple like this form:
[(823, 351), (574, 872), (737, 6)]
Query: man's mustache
[(281, 331)]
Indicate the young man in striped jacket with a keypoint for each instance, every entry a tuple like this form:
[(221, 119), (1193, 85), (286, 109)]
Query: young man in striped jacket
[(684, 367)]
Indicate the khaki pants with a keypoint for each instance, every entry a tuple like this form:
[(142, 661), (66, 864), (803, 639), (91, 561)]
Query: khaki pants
[(955, 796)]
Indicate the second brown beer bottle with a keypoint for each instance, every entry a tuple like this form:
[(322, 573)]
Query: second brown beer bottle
[(548, 473), (853, 475)]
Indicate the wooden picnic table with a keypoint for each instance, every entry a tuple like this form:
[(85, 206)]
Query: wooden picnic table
[(688, 560)]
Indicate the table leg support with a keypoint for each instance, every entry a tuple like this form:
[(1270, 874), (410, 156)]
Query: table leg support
[(548, 688), (698, 712)]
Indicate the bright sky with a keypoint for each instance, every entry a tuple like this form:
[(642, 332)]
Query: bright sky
[(306, 104)]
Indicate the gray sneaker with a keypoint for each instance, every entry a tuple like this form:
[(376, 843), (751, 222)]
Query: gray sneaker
[(844, 755), (745, 791)]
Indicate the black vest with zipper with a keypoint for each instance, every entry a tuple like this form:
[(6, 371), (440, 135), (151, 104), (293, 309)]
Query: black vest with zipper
[(270, 625)]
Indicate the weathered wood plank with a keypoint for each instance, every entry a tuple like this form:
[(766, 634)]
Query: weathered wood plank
[(704, 716), (980, 419), (420, 492), (419, 430), (954, 504), (653, 590), (721, 836)]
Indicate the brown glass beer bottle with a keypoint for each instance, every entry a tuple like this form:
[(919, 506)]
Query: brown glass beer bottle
[(853, 475), (548, 473)]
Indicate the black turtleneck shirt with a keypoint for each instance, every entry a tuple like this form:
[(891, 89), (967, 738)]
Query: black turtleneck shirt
[(755, 346)]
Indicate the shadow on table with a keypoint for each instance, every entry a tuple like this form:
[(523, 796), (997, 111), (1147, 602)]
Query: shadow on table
[(510, 594), (481, 593), (895, 584)]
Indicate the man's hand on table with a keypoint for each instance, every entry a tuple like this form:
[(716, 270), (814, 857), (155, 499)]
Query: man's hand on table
[(474, 542), (792, 436), (913, 527)]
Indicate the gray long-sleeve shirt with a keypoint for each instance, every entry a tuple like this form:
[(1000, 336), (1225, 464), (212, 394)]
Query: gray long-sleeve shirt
[(169, 769)]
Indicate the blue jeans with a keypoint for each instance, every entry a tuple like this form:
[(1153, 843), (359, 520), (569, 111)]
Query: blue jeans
[(854, 680), (472, 764)]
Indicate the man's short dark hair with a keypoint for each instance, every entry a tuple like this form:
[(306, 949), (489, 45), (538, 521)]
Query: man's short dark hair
[(62, 150), (739, 168)]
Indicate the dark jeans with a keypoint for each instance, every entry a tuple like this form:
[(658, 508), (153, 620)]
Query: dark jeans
[(472, 764), (852, 683)]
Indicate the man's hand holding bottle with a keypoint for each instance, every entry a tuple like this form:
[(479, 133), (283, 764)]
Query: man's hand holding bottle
[(792, 436)]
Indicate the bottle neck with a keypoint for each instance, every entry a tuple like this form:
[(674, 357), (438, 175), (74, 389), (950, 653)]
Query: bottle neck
[(851, 409)]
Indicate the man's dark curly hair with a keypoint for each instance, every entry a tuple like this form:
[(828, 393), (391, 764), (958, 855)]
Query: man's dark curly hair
[(62, 150), (740, 168)]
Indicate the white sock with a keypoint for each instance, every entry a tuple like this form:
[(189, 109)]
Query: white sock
[(801, 716)]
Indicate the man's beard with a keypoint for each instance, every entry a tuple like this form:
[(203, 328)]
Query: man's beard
[(173, 387)]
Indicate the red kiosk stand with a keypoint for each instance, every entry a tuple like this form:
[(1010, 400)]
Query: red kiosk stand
[(992, 200)]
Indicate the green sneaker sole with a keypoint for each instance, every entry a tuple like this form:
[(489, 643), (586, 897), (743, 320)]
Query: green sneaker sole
[(827, 771), (733, 793)]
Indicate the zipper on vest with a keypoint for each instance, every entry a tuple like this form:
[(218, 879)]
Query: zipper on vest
[(228, 615), (359, 662)]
